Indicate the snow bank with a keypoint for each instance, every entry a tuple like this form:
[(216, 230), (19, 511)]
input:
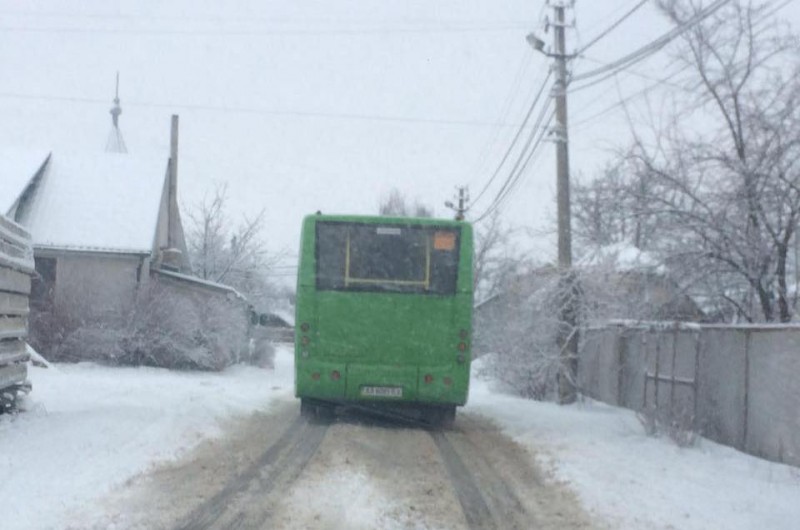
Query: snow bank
[(633, 481), (90, 428)]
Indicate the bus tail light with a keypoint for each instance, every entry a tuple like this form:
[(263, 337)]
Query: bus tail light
[(335, 375), (428, 379), (460, 358), (462, 346)]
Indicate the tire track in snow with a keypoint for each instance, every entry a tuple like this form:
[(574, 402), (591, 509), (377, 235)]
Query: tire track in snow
[(473, 504), (235, 506)]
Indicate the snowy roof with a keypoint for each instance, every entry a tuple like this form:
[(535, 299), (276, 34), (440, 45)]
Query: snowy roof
[(201, 282), (97, 201), (17, 168)]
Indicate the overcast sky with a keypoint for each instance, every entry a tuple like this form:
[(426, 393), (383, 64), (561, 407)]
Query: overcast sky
[(322, 104)]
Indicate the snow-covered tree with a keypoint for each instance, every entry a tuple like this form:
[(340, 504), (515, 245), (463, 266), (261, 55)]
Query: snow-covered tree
[(231, 253), (718, 186), (395, 204)]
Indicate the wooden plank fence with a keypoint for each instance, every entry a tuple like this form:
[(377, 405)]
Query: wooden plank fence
[(16, 270)]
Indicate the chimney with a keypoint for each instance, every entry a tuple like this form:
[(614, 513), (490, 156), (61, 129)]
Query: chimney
[(173, 184)]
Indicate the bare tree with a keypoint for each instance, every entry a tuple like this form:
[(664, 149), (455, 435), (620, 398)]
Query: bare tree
[(726, 193), (494, 260), (395, 204), (224, 253), (610, 210)]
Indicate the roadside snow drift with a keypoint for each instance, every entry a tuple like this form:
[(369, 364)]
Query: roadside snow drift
[(90, 428)]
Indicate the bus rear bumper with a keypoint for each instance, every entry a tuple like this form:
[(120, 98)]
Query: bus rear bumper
[(353, 382)]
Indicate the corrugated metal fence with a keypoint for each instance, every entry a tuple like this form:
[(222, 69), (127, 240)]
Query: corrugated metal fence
[(16, 269), (738, 385)]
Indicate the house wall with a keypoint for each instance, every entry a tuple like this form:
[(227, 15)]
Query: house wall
[(100, 286), (736, 385)]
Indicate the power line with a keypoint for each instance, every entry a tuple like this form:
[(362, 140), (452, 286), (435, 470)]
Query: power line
[(652, 47), (658, 81), (262, 111), (601, 21), (264, 32), (533, 154), (636, 73), (521, 163), (630, 97), (612, 27), (505, 109), (515, 139)]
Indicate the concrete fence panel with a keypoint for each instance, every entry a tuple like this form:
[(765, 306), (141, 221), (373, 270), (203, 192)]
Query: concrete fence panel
[(602, 375), (773, 395), (737, 385), (634, 363), (721, 391)]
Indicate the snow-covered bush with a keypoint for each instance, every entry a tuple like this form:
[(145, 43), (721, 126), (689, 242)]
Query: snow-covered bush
[(165, 327), (677, 425), (524, 338)]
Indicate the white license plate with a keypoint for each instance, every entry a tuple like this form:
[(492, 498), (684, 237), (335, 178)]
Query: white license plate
[(382, 391)]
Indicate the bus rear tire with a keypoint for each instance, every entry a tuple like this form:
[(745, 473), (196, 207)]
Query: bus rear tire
[(307, 410), (441, 417), (317, 411)]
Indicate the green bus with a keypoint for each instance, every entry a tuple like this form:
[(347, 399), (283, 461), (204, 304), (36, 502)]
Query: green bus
[(384, 315)]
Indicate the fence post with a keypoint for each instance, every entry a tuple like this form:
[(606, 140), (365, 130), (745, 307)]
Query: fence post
[(746, 389), (621, 345), (696, 385)]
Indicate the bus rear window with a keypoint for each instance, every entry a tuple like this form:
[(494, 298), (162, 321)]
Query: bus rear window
[(393, 258)]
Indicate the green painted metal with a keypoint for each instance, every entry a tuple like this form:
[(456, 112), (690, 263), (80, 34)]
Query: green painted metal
[(348, 340)]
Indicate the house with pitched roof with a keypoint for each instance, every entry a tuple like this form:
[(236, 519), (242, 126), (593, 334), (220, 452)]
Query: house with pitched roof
[(109, 244)]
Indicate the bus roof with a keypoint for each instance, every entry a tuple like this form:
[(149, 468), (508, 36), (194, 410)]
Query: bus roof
[(381, 219)]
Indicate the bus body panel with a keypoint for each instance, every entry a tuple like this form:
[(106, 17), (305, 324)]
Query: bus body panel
[(383, 346)]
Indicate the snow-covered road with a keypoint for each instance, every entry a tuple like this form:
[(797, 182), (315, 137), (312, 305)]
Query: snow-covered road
[(96, 440), (282, 472)]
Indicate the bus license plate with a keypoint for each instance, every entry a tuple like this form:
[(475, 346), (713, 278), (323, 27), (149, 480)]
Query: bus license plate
[(382, 391)]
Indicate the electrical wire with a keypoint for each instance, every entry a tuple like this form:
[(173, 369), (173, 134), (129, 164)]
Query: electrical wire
[(516, 137), (650, 48), (658, 81), (532, 155), (612, 27), (261, 111), (521, 162), (263, 32), (629, 98), (504, 112)]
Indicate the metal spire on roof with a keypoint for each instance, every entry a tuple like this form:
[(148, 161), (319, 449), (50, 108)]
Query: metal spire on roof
[(115, 143)]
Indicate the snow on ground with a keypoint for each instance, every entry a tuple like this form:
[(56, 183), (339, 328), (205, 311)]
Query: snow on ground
[(90, 428), (634, 481)]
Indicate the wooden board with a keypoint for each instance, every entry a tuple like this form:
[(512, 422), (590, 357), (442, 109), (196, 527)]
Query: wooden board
[(12, 230), (13, 304), (16, 250), (13, 281), (13, 374), (13, 327), (12, 351)]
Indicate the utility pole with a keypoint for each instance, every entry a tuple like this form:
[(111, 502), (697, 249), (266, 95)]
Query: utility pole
[(463, 199), (562, 140), (568, 288)]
